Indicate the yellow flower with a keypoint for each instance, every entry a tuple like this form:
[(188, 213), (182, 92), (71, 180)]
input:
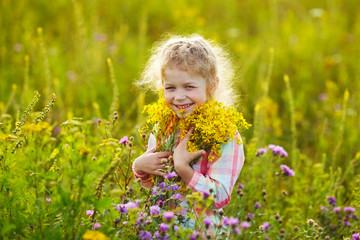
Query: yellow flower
[(214, 124), (94, 235), (54, 153)]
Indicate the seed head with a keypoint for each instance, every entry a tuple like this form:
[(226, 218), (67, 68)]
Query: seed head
[(221, 212), (311, 222)]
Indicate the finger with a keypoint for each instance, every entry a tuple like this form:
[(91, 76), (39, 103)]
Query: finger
[(151, 150), (188, 134), (160, 172), (164, 154), (198, 154)]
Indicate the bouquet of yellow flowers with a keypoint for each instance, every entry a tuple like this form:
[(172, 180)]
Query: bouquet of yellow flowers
[(214, 124)]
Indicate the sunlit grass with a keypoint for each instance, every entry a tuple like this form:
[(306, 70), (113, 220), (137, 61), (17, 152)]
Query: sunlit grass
[(303, 94)]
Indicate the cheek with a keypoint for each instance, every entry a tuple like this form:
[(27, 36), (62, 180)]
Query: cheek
[(168, 98)]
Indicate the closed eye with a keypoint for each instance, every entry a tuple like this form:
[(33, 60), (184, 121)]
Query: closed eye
[(169, 88)]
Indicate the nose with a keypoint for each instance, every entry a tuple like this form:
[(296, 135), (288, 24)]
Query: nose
[(180, 95)]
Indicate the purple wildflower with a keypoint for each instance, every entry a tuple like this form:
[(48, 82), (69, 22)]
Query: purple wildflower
[(265, 226), (176, 196), (157, 234), (97, 226), (166, 237), (164, 227), (168, 215), (176, 228), (278, 150), (337, 209), (206, 194), (287, 171), (145, 235), (323, 96), (122, 209), (257, 205), (125, 139), (240, 186), (162, 185), (131, 205), (195, 235), (175, 187), (99, 121), (237, 231), (322, 208), (225, 221), (346, 223), (356, 236), (89, 212), (245, 225), (331, 200), (233, 221), (171, 175), (154, 210), (48, 200), (139, 221), (207, 222), (261, 151), (160, 203), (250, 215), (349, 209)]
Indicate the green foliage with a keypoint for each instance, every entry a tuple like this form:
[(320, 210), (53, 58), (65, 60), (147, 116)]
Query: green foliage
[(57, 160)]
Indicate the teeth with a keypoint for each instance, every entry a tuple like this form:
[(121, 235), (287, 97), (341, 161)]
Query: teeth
[(183, 106)]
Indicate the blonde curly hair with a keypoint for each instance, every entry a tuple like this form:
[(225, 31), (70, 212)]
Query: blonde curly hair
[(194, 54)]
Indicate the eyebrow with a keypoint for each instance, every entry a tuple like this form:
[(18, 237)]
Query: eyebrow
[(185, 83)]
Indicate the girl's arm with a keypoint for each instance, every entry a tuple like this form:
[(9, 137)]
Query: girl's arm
[(182, 159), (221, 175)]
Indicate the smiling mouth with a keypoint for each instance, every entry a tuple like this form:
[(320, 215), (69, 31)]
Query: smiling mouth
[(185, 106)]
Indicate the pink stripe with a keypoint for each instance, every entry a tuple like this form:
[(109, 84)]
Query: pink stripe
[(204, 161), (235, 160), (194, 179), (222, 204)]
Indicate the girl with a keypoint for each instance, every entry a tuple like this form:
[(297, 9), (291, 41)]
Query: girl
[(190, 71)]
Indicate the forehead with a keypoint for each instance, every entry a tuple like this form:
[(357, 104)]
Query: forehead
[(178, 75)]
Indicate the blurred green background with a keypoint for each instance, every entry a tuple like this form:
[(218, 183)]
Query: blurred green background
[(62, 47)]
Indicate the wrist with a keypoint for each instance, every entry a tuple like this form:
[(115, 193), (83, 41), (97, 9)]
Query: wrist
[(180, 167), (137, 172)]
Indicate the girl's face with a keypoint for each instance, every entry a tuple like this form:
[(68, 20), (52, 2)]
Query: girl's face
[(184, 90)]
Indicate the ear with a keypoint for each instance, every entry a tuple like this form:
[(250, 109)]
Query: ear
[(213, 86)]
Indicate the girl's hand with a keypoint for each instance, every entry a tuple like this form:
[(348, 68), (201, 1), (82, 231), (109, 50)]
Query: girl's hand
[(182, 157), (150, 162)]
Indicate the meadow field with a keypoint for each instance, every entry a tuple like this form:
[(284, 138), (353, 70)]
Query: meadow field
[(70, 115)]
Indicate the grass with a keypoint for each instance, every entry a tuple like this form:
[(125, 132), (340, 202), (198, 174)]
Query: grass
[(302, 94)]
